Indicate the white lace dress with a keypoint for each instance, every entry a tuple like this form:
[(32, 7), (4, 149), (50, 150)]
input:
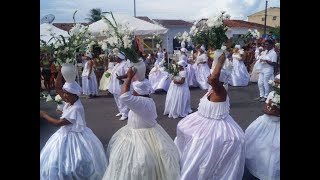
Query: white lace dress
[(141, 150), (74, 151), (158, 77), (211, 144), (178, 98)]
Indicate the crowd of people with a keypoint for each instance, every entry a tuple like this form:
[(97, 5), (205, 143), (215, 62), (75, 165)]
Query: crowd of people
[(209, 144)]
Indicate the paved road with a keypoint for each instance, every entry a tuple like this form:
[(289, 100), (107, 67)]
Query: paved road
[(101, 111)]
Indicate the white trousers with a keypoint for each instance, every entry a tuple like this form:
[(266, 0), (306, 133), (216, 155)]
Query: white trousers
[(124, 110), (264, 86)]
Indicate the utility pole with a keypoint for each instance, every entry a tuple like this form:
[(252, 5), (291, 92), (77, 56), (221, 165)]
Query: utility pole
[(134, 6), (265, 18)]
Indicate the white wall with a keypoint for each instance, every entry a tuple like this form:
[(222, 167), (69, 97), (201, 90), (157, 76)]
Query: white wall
[(172, 32)]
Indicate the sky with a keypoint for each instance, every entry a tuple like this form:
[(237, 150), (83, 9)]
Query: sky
[(155, 9)]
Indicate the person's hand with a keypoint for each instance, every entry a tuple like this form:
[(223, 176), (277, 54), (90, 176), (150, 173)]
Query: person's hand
[(42, 114), (131, 72)]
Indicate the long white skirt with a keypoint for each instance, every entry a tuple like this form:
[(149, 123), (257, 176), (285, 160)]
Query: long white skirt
[(177, 101), (191, 76), (105, 81), (210, 149), (254, 74), (263, 148), (142, 154), (72, 155), (239, 74), (159, 79), (202, 72), (90, 86)]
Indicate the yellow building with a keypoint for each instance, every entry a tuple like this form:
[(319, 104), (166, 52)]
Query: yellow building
[(273, 17)]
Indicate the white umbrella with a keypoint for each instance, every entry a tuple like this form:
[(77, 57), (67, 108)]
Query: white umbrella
[(47, 29), (138, 26)]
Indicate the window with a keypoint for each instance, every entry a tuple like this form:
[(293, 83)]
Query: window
[(274, 18), (262, 19)]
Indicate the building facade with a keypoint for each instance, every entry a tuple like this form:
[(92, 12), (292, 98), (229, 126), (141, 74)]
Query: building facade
[(273, 17)]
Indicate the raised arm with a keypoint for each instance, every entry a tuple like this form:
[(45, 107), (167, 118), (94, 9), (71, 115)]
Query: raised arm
[(58, 83), (217, 86), (56, 122), (126, 85)]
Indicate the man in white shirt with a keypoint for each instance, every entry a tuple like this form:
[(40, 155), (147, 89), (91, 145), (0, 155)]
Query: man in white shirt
[(268, 62)]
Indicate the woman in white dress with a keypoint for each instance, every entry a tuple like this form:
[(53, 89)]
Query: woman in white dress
[(191, 80), (178, 97), (263, 142), (73, 151), (158, 77), (106, 76), (257, 66), (89, 80), (239, 75), (141, 150), (202, 70), (211, 144)]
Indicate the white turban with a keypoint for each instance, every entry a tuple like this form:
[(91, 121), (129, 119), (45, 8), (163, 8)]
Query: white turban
[(121, 56), (261, 47), (203, 48), (72, 87), (182, 63), (88, 54), (142, 87), (183, 50), (237, 46)]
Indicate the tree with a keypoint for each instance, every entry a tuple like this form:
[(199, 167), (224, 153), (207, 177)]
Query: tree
[(94, 15), (276, 31)]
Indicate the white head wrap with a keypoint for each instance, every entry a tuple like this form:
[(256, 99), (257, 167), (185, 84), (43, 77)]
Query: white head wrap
[(142, 87), (121, 56), (277, 76), (237, 46), (72, 87), (182, 63), (183, 50), (203, 48), (88, 54), (261, 47)]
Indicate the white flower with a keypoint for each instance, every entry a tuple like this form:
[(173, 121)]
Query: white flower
[(223, 47), (271, 82), (49, 98), (158, 45), (58, 98), (55, 52)]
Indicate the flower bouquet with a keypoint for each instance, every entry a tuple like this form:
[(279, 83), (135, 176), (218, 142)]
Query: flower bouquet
[(276, 95), (172, 69)]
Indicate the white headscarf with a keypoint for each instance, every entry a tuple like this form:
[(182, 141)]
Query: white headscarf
[(237, 46), (142, 87), (72, 87), (203, 48), (183, 50), (121, 56), (88, 54), (182, 63)]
